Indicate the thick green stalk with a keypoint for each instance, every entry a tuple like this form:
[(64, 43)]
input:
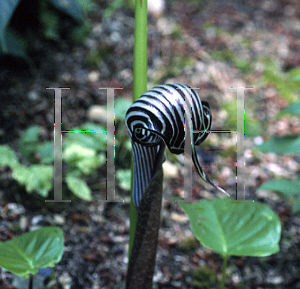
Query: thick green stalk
[(139, 83)]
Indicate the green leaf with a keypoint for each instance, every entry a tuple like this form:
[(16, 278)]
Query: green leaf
[(113, 6), (82, 158), (28, 142), (69, 7), (27, 253), (289, 144), (293, 108), (79, 188), (124, 177), (94, 139), (296, 206), (296, 78), (7, 156), (283, 83), (121, 107), (252, 126), (234, 228), (46, 152), (50, 21), (86, 5), (7, 8), (14, 47), (30, 135), (35, 177), (287, 187)]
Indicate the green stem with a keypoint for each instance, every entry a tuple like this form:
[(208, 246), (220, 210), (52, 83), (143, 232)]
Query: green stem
[(140, 49), (224, 271), (139, 84)]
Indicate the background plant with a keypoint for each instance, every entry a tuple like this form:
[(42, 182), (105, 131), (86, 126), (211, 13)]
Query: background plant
[(25, 254), (43, 18), (83, 153), (234, 228), (288, 144)]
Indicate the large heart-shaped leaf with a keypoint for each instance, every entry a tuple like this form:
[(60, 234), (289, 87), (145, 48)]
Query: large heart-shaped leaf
[(27, 253), (235, 228)]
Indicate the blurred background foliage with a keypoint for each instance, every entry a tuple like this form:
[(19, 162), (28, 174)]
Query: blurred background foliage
[(84, 153), (290, 145), (44, 18)]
